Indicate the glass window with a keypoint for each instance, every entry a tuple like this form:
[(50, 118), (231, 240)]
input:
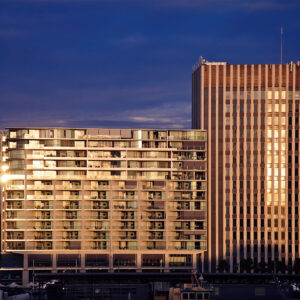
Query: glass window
[(227, 95), (255, 107), (242, 95)]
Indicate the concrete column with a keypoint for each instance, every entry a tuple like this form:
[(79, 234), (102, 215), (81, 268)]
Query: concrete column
[(82, 263), (54, 263), (25, 261), (139, 262), (25, 272), (25, 277), (167, 265), (111, 263), (194, 256)]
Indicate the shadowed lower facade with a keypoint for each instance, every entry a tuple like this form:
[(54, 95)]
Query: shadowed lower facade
[(104, 199), (251, 114)]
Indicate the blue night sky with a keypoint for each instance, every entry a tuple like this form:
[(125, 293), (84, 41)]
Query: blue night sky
[(127, 63)]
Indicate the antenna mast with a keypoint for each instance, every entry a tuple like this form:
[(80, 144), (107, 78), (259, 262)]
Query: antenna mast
[(281, 44)]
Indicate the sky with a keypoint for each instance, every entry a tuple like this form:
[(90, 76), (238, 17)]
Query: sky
[(127, 63)]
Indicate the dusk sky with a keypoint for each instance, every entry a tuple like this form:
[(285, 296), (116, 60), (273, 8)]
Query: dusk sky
[(127, 63)]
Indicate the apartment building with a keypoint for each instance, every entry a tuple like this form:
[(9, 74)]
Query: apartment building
[(3, 135), (114, 200), (251, 114)]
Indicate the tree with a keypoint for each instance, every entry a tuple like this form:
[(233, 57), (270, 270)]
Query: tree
[(246, 265), (256, 267), (280, 266), (262, 266), (270, 266), (296, 267), (223, 266)]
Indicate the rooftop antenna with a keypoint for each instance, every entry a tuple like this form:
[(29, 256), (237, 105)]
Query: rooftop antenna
[(281, 44)]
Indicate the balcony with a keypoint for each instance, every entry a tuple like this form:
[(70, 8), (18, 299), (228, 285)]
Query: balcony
[(15, 236), (72, 207), (42, 206), (126, 237), (101, 237), (153, 207), (155, 228), (153, 247), (125, 248), (98, 227), (17, 206), (126, 227), (13, 215), (125, 207), (15, 187), (40, 197), (15, 246), (100, 216), (156, 237), (43, 216), (70, 237), (183, 237), (46, 236), (100, 206), (156, 216), (42, 227), (40, 187), (69, 197), (97, 247)]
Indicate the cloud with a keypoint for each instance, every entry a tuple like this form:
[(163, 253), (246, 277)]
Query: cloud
[(148, 106), (52, 96), (165, 115), (217, 5), (54, 1), (228, 5), (130, 40), (10, 33)]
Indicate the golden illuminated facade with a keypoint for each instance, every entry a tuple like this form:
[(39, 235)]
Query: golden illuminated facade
[(251, 113), (3, 136), (109, 199)]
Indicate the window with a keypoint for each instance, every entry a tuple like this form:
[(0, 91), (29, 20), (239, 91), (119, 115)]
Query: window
[(234, 108)]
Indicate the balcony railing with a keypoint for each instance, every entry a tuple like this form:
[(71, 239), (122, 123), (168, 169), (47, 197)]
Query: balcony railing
[(40, 197), (40, 187)]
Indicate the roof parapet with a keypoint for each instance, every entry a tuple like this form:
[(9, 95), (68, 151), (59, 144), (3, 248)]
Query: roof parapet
[(202, 61)]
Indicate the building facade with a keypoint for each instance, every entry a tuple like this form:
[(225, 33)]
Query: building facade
[(109, 199), (3, 135), (251, 114)]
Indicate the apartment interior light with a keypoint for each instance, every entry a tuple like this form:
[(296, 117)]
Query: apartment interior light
[(4, 178), (4, 168)]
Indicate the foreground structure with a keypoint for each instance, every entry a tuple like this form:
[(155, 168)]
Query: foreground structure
[(115, 200), (251, 113)]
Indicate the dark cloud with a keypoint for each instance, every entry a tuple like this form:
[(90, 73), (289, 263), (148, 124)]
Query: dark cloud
[(189, 4), (113, 63)]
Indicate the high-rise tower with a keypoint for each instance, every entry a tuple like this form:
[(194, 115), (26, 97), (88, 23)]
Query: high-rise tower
[(251, 114)]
